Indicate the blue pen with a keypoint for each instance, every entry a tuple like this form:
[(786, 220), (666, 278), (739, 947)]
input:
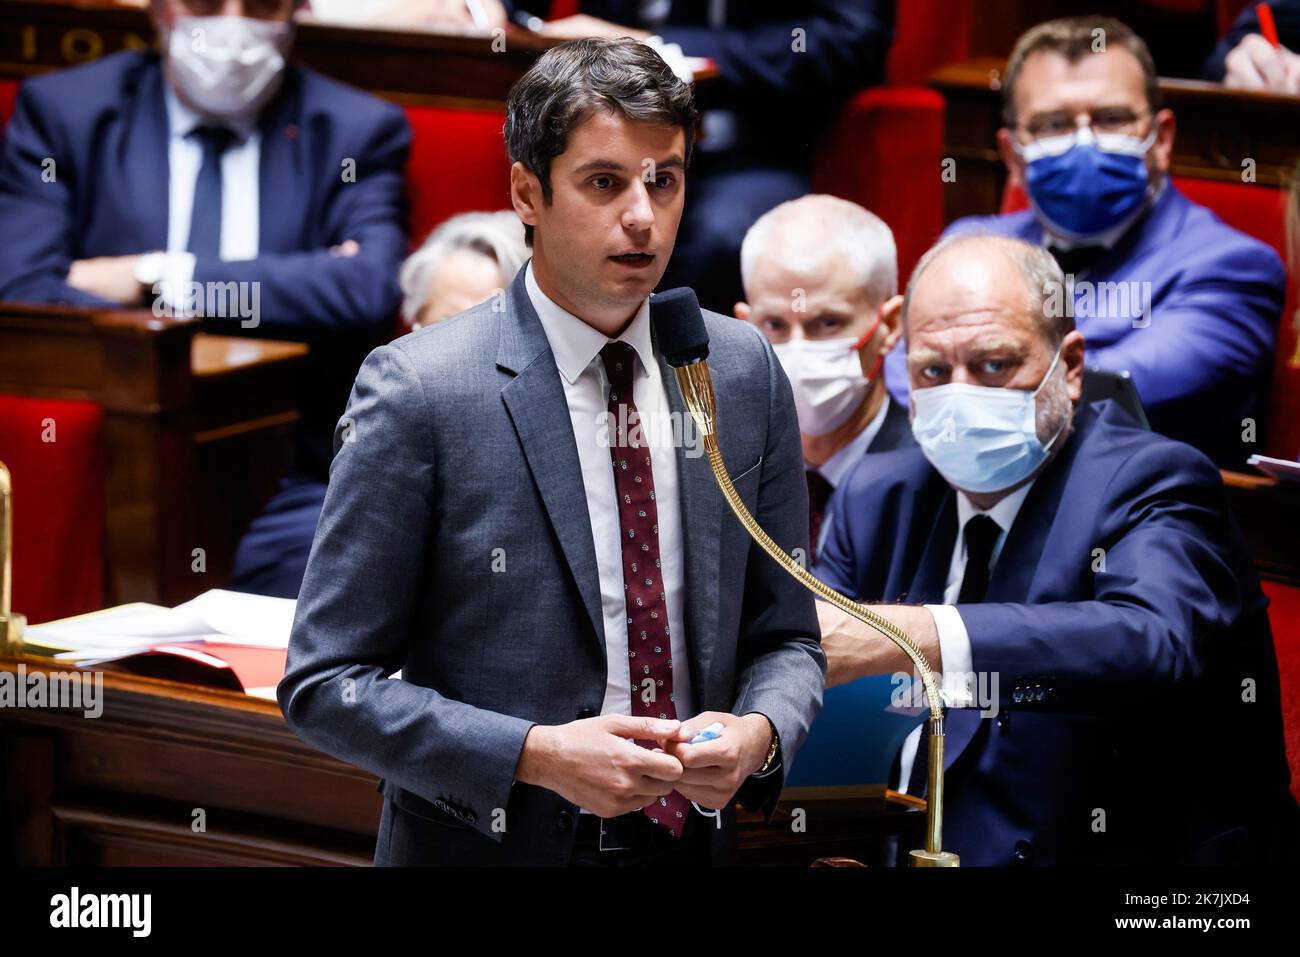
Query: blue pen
[(710, 733)]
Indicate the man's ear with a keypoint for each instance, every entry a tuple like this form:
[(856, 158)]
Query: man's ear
[(1072, 355), (891, 318), (742, 311), (1162, 150), (1013, 161), (525, 193)]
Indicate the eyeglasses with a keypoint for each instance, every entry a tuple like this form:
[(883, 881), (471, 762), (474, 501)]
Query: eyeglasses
[(1109, 120)]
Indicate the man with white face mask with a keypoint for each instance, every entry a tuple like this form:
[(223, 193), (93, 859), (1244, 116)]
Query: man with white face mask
[(1163, 289), (820, 277), (1075, 579), (214, 178)]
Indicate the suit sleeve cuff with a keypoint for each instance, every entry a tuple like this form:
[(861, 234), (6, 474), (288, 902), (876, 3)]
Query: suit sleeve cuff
[(955, 656)]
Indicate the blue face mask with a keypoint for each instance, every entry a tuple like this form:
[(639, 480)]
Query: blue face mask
[(1083, 185), (981, 439)]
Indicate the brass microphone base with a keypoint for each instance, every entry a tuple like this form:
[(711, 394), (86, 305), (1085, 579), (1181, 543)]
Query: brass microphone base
[(11, 634), (934, 859)]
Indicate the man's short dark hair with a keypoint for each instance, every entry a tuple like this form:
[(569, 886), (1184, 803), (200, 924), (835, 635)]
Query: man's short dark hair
[(1074, 38), (569, 82)]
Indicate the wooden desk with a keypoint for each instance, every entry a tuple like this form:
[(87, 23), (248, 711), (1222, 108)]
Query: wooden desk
[(1268, 512), (122, 789), (195, 429), (1218, 129)]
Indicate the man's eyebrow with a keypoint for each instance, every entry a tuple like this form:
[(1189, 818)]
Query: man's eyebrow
[(614, 166), (919, 358), (601, 164), (1004, 347)]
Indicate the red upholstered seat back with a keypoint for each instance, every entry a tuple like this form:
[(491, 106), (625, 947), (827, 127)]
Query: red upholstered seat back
[(8, 93), (54, 451), (885, 150), (884, 154), (1284, 614), (457, 164), (928, 34)]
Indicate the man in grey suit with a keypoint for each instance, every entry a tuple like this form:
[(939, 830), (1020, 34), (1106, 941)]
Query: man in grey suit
[(519, 519)]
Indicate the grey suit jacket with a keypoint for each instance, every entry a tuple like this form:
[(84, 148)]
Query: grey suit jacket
[(455, 544)]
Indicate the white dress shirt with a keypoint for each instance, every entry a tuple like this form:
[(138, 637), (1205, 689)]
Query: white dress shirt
[(835, 468), (954, 643), (576, 347), (240, 171)]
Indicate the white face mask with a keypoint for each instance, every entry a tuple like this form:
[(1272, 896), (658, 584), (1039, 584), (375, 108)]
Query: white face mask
[(826, 376), (227, 67), (980, 438)]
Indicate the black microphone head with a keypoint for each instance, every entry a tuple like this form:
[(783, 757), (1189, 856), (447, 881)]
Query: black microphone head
[(679, 326)]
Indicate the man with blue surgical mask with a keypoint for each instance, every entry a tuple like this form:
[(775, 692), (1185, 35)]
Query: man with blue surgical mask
[(821, 277), (1074, 578), (1162, 289), (212, 177)]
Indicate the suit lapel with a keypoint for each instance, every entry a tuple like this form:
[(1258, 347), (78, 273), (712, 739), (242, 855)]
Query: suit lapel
[(281, 177), (701, 510), (537, 406), (1013, 575), (145, 165), (932, 572), (895, 432)]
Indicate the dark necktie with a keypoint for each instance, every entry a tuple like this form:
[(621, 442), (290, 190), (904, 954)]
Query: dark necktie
[(649, 648), (205, 216), (1076, 260), (819, 493), (981, 534)]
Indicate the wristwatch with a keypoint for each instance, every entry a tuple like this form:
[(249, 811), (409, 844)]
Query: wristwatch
[(771, 763)]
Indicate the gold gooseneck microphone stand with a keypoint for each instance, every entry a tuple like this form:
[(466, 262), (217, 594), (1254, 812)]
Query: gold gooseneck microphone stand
[(697, 391)]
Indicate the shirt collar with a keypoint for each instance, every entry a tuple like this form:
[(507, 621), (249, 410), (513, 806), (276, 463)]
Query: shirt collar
[(834, 468), (574, 343), (1004, 513), (182, 121)]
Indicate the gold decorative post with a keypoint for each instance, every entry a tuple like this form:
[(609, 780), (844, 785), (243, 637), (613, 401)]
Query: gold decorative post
[(11, 623)]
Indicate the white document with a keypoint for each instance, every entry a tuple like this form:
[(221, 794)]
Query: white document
[(217, 615)]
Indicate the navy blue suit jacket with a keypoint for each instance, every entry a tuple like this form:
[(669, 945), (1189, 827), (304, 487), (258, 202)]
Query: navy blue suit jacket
[(104, 125), (1203, 363), (1122, 736)]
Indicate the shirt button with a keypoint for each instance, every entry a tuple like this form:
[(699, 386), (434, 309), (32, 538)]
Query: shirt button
[(586, 713), (564, 821), (1024, 851)]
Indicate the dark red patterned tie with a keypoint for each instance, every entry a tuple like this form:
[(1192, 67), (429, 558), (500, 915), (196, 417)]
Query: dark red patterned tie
[(650, 662)]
